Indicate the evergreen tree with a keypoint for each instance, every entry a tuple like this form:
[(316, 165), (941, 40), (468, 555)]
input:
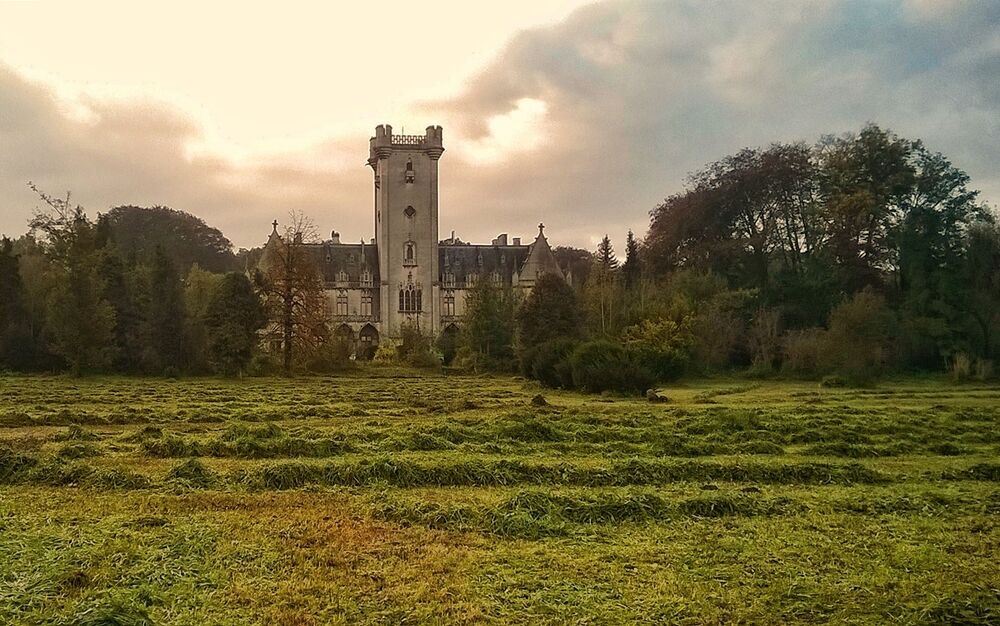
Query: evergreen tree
[(233, 317), (165, 349), (631, 270), (606, 255), (119, 290), (16, 345), (549, 312), (488, 329)]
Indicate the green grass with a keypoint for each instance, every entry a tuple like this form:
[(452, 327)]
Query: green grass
[(394, 497)]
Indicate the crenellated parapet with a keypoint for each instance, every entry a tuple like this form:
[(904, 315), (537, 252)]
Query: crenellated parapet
[(382, 145)]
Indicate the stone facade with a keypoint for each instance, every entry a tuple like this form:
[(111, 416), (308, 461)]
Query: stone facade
[(406, 274)]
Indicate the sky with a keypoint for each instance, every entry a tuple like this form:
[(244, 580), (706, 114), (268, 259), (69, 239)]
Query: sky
[(582, 115)]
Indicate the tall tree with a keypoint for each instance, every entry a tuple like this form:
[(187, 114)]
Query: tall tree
[(120, 290), (233, 317), (293, 292), (16, 342), (488, 323), (80, 322), (631, 270), (186, 239), (165, 349), (602, 294), (549, 312)]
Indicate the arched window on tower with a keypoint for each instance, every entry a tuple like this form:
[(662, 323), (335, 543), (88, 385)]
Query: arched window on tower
[(410, 299), (409, 253), (409, 170)]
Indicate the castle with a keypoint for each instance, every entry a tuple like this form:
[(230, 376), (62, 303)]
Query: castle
[(405, 274)]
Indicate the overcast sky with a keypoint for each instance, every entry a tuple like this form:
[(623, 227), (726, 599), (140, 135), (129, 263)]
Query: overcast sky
[(581, 115)]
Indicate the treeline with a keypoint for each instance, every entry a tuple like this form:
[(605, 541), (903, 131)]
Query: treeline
[(855, 257), (127, 293)]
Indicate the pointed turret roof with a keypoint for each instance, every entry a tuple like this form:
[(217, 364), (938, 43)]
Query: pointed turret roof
[(540, 261)]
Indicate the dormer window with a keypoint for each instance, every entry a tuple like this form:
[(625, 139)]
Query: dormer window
[(409, 171), (409, 253), (341, 276), (366, 278)]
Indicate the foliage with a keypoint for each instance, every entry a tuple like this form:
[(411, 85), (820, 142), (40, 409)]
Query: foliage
[(416, 348), (662, 347), (233, 316), (138, 232), (606, 366), (861, 329), (549, 363), (487, 332), (549, 312)]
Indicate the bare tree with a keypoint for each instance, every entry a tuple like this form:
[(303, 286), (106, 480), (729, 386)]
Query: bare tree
[(292, 289)]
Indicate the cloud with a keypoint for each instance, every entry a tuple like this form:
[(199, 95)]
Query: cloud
[(586, 124)]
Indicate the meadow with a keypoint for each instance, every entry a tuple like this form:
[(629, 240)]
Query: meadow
[(391, 497)]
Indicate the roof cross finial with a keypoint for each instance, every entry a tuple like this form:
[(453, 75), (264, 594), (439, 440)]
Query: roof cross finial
[(541, 227), (275, 225)]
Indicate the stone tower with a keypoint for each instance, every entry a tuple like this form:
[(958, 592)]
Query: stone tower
[(406, 226)]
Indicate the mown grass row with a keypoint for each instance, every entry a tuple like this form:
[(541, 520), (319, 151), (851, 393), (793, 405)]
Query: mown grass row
[(533, 513), (713, 433), (19, 467)]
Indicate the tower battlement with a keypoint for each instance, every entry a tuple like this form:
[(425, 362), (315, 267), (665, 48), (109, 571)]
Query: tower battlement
[(384, 142)]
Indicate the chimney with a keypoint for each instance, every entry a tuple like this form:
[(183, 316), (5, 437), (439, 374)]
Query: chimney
[(334, 237), (517, 241), (501, 239)]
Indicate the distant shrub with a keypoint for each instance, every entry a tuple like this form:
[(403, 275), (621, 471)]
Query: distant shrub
[(606, 366), (983, 369), (960, 367), (661, 347), (415, 348), (859, 335), (550, 363), (333, 356), (804, 351)]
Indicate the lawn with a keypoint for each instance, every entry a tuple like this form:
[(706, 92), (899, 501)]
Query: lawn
[(386, 497)]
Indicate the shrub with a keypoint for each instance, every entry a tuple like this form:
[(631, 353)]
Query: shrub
[(605, 366), (860, 330), (960, 367), (804, 350), (334, 355), (550, 364), (415, 348), (661, 347)]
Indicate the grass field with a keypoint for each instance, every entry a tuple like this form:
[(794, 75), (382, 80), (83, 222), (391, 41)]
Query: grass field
[(387, 498)]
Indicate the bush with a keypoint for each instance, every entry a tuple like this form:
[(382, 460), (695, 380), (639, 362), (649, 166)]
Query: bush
[(416, 349), (859, 337), (662, 347), (605, 366), (960, 367), (334, 355), (803, 351), (550, 364)]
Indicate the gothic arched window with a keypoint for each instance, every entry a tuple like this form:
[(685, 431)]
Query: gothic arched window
[(409, 253), (409, 170), (410, 299)]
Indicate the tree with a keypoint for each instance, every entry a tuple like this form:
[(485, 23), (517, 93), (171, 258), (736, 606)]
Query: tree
[(165, 348), (184, 238), (233, 317), (549, 312), (16, 341), (981, 275), (121, 289), (602, 294), (631, 271), (79, 321), (488, 325), (858, 339), (292, 288), (199, 290)]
